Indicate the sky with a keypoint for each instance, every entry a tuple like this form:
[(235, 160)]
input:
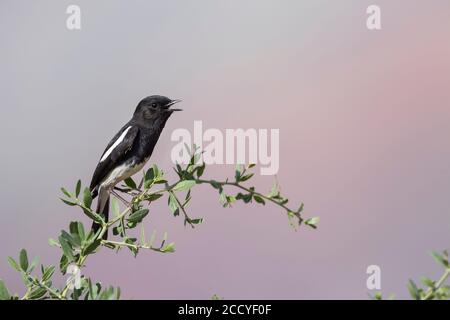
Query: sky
[(363, 116)]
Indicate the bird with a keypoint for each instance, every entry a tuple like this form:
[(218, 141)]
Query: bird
[(129, 150)]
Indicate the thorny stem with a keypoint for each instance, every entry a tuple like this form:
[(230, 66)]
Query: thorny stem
[(223, 183), (235, 184), (169, 188), (138, 196)]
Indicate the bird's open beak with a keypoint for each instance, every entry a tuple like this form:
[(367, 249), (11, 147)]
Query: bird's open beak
[(171, 103)]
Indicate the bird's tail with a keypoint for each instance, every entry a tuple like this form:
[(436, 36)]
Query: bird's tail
[(103, 210)]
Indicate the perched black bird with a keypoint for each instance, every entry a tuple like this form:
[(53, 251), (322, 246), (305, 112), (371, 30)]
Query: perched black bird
[(130, 149)]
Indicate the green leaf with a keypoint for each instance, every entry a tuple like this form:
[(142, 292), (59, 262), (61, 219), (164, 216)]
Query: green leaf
[(184, 185), (428, 282), (137, 216), (92, 290), (312, 221), (237, 173), (413, 290), (377, 296), (153, 197), (13, 263), (33, 264), (23, 260), (4, 293), (259, 199), (75, 237), (173, 205), (66, 249), (130, 240), (201, 170), (130, 183), (216, 185), (117, 230), (107, 294), (231, 199), (69, 203), (169, 248), (78, 189), (244, 197), (195, 158), (157, 173), (197, 221), (149, 178), (71, 239), (48, 272), (92, 215), (133, 249), (66, 193), (87, 198), (63, 263), (92, 246), (81, 232), (440, 259), (37, 293), (246, 177), (223, 199)]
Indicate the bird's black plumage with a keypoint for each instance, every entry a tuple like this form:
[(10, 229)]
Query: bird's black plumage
[(118, 153), (130, 149)]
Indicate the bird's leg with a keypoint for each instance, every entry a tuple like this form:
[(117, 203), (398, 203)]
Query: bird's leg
[(127, 191), (125, 202)]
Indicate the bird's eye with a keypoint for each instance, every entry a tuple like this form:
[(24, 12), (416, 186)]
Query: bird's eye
[(154, 105)]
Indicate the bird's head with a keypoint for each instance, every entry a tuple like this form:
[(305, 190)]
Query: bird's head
[(155, 107)]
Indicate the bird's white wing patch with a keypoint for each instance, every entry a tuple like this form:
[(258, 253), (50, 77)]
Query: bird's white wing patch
[(118, 141)]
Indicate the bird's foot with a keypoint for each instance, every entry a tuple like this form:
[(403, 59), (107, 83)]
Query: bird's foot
[(118, 196)]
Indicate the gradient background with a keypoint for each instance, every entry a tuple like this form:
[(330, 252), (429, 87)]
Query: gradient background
[(364, 121)]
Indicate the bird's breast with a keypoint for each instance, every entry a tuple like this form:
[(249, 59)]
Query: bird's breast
[(122, 172)]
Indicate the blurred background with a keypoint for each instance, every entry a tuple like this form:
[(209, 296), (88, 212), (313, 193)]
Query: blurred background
[(364, 119)]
